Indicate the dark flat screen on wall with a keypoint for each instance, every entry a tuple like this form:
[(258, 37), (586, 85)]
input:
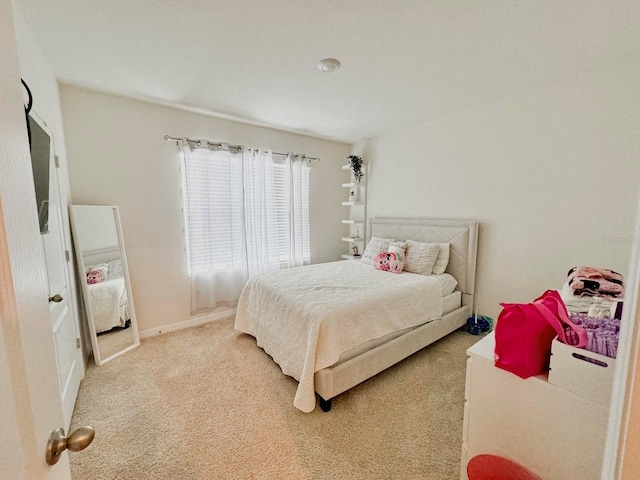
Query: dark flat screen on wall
[(40, 162)]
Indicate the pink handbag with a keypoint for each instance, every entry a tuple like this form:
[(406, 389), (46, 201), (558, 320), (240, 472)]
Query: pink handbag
[(524, 333)]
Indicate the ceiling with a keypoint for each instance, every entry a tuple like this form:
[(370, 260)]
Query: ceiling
[(403, 61)]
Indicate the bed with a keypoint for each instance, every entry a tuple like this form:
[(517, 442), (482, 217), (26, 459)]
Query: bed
[(332, 326), (108, 297)]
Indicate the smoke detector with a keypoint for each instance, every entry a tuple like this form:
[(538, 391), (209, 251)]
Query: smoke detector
[(329, 65)]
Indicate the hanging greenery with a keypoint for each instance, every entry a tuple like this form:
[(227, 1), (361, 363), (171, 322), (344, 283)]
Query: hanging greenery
[(355, 162)]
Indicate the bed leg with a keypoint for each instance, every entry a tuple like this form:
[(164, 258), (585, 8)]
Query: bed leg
[(325, 405)]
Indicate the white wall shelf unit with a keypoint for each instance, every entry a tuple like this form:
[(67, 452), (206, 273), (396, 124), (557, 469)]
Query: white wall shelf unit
[(356, 218)]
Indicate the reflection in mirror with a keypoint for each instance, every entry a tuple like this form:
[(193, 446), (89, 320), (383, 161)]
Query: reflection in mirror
[(105, 280), (40, 158)]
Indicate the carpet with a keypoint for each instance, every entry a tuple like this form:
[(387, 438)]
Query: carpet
[(207, 403), (114, 341)]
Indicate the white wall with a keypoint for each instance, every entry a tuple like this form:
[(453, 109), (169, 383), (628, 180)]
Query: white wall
[(118, 157), (552, 175), (96, 229), (38, 74)]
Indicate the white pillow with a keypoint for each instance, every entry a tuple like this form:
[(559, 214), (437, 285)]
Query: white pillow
[(375, 246), (442, 260), (102, 267), (115, 269), (448, 283), (420, 257), (398, 248)]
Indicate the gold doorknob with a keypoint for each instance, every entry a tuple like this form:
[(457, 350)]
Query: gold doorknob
[(80, 439), (56, 298)]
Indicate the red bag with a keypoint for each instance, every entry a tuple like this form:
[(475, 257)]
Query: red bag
[(524, 333)]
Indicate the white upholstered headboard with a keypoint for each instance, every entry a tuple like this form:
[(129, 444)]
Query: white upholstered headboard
[(461, 234), (101, 255)]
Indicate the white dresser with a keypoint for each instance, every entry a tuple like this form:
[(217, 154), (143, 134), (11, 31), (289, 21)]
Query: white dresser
[(553, 432)]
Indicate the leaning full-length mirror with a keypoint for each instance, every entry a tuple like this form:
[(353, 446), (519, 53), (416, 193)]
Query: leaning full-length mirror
[(106, 289)]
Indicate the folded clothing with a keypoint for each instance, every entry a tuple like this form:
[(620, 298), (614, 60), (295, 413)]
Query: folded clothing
[(574, 304), (609, 306), (590, 281), (602, 333)]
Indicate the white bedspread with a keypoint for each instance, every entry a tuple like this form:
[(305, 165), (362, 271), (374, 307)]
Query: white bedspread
[(107, 298), (306, 317)]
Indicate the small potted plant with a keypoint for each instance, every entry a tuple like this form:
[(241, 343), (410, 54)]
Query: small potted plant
[(355, 163)]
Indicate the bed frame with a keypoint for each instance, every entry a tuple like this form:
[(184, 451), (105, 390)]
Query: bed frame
[(463, 237)]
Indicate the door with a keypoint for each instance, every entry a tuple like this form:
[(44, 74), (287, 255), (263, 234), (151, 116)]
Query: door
[(63, 323), (30, 402)]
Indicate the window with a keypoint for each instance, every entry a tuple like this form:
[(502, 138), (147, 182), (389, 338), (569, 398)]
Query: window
[(212, 188), (245, 211), (291, 180)]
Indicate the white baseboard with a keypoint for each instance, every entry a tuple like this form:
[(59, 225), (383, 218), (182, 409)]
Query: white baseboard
[(192, 322)]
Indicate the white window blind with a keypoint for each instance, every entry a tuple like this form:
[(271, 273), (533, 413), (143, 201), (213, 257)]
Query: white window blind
[(213, 194), (291, 181), (243, 213)]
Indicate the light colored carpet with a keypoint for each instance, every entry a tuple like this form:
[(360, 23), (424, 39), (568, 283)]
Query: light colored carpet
[(115, 341), (207, 403)]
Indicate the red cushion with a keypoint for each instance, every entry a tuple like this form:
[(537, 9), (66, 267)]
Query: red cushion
[(492, 467)]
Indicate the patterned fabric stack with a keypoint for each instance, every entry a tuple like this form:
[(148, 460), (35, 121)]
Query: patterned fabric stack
[(596, 291), (595, 282), (593, 297)]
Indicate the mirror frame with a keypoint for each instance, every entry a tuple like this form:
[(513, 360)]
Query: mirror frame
[(85, 289)]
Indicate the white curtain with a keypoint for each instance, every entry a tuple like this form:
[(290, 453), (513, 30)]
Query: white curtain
[(231, 221), (298, 250)]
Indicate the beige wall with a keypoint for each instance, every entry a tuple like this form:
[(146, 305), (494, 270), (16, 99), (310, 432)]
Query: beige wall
[(552, 175), (118, 157)]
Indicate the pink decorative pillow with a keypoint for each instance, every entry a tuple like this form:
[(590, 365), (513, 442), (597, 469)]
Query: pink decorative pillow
[(95, 276), (389, 262)]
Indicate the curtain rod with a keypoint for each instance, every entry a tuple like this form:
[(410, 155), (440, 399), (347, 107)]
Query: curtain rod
[(226, 146)]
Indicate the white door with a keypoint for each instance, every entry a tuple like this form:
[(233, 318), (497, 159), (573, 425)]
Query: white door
[(30, 403), (63, 324)]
